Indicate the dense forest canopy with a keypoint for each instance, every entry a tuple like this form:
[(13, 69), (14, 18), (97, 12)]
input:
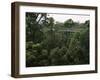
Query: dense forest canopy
[(51, 43)]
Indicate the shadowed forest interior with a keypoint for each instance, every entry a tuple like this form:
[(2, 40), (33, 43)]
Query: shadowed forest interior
[(50, 42)]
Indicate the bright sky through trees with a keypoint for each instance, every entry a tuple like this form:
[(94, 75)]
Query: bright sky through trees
[(76, 18)]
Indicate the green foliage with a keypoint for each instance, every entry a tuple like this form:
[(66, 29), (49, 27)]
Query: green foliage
[(50, 43), (69, 23)]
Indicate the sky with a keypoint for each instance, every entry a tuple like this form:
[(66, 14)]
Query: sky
[(64, 17)]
